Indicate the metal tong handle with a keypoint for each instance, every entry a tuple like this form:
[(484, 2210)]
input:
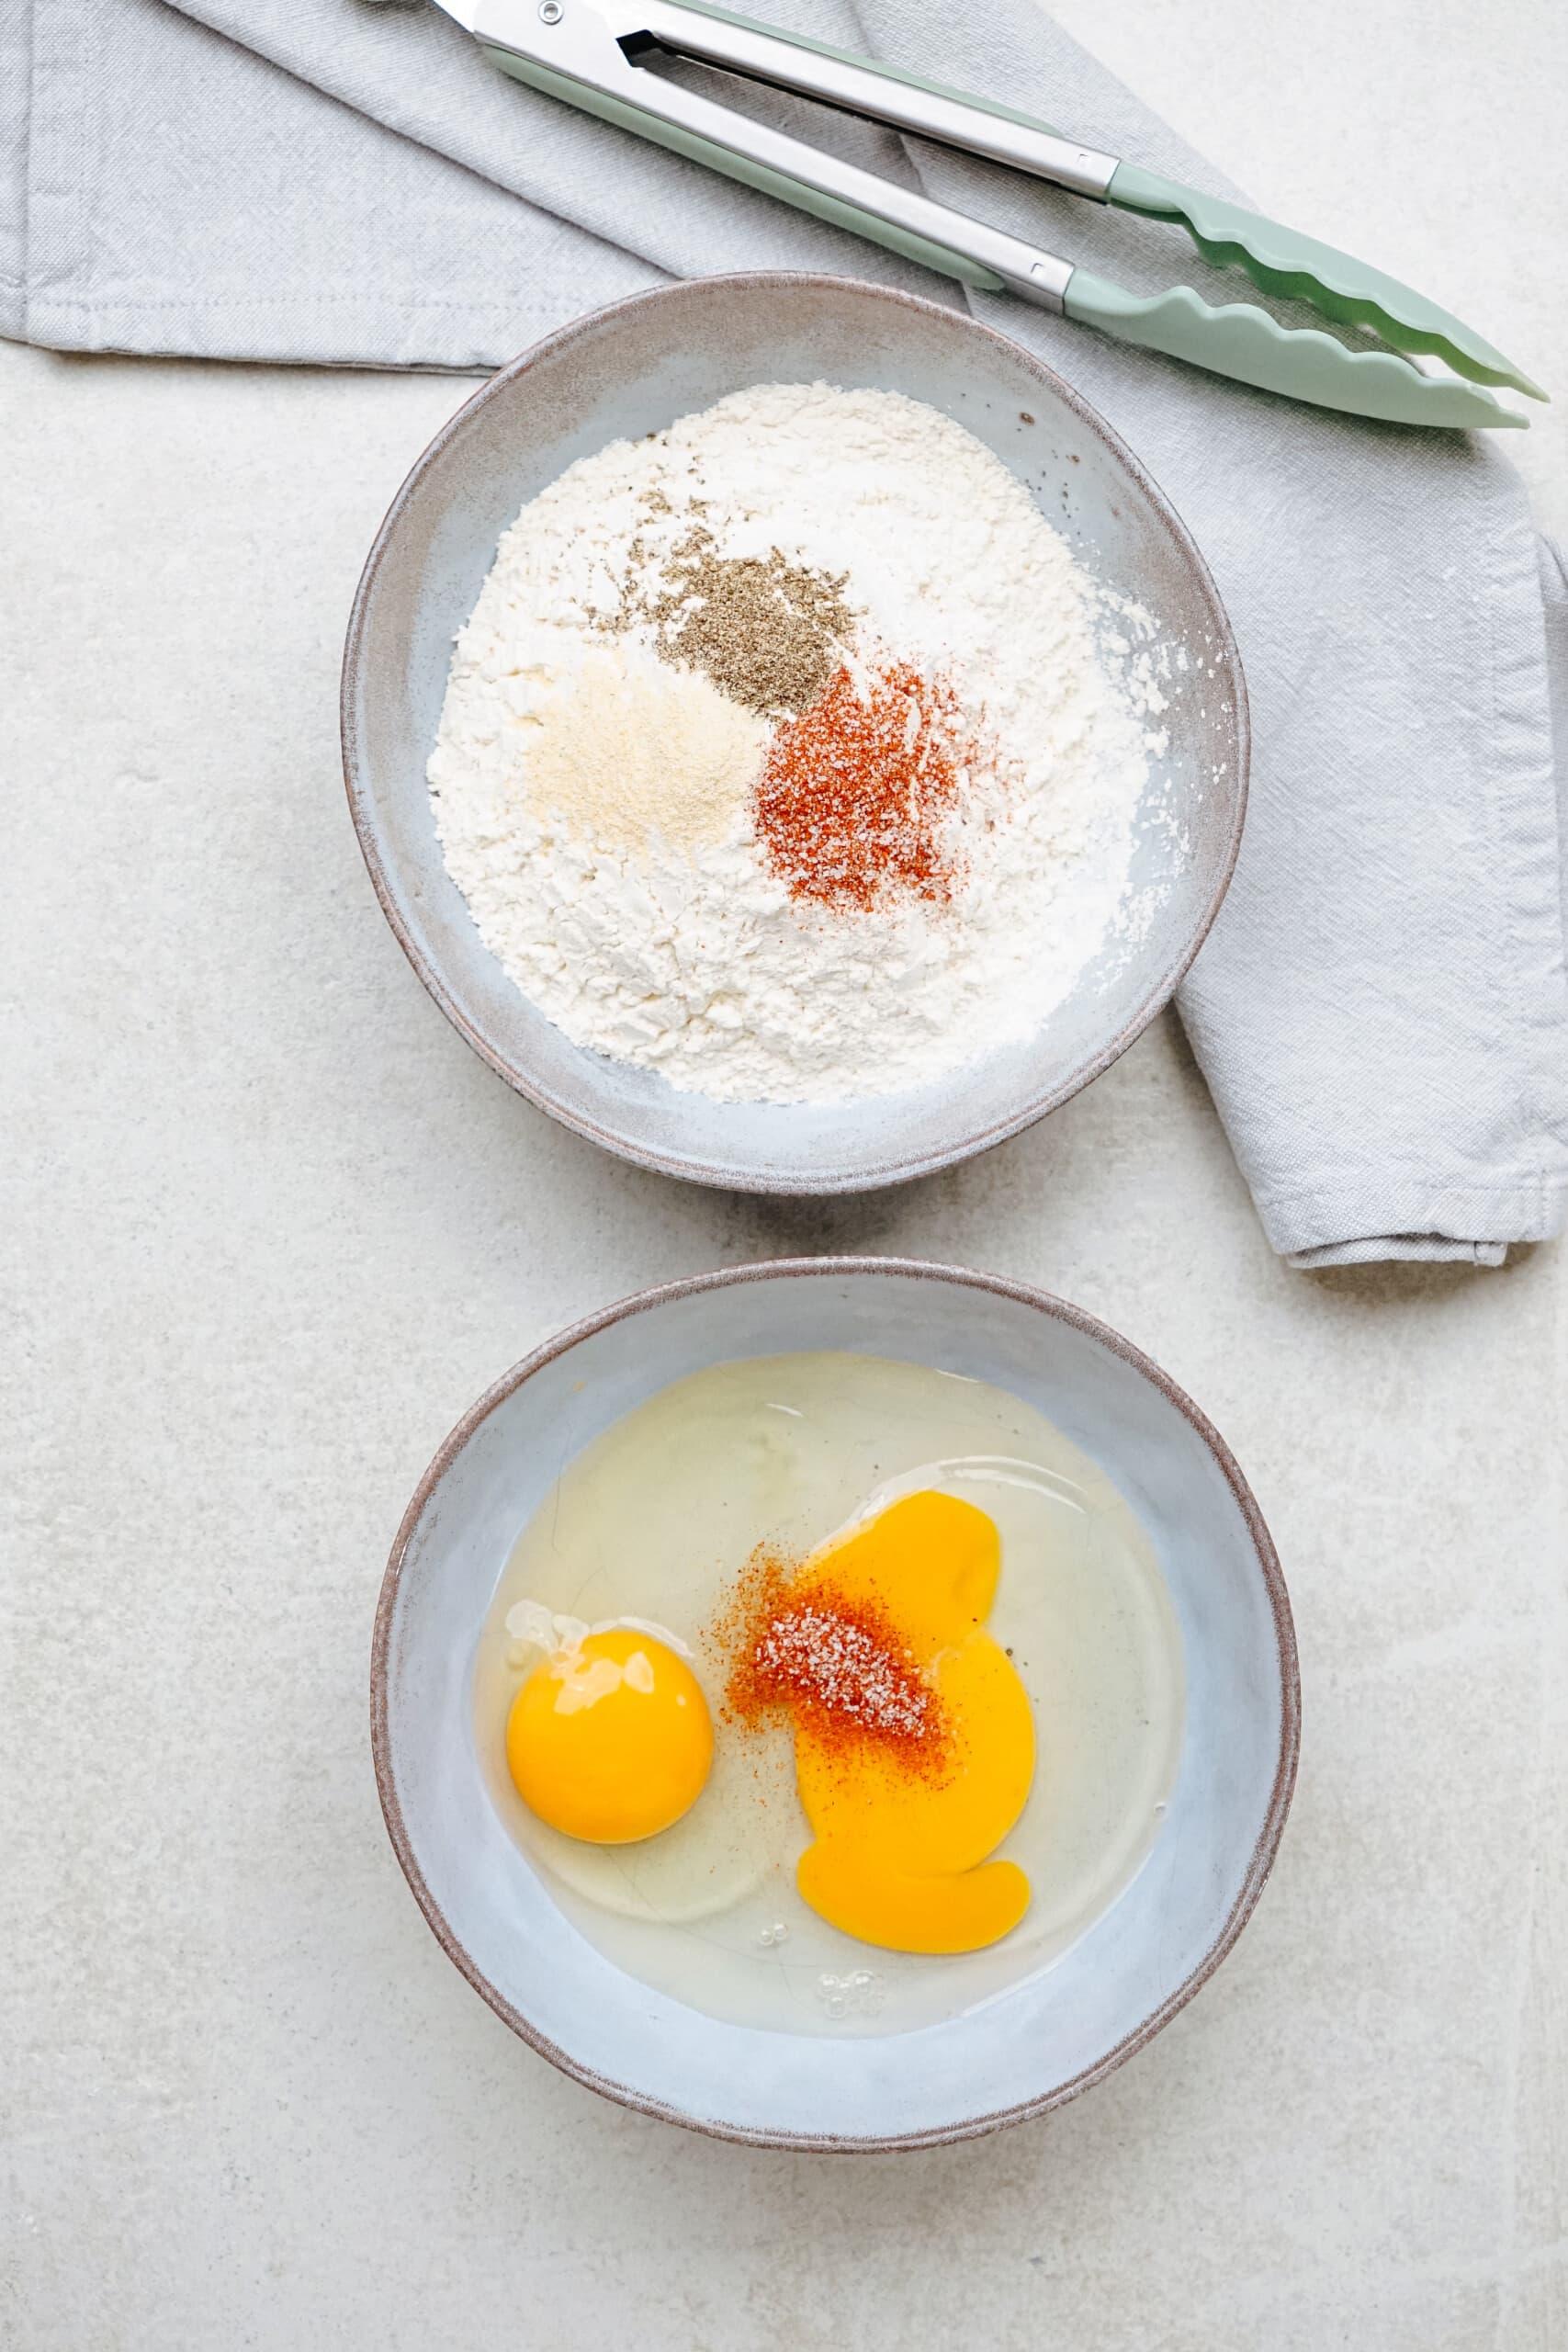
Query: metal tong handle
[(584, 55), (813, 69)]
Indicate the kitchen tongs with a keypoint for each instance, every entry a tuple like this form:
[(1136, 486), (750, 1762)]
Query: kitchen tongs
[(596, 56)]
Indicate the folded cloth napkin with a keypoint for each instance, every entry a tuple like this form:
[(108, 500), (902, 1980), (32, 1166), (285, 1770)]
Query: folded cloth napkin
[(1381, 1011)]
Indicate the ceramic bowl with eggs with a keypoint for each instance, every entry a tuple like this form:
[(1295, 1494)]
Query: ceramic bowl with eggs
[(836, 1704), (994, 1060)]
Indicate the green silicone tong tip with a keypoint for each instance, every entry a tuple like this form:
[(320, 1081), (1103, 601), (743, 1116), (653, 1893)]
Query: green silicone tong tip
[(1240, 340), (1280, 261)]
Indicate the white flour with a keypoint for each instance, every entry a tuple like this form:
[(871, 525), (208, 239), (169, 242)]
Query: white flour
[(687, 953)]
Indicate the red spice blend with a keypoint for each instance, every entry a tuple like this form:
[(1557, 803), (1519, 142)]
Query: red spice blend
[(836, 1665), (857, 792)]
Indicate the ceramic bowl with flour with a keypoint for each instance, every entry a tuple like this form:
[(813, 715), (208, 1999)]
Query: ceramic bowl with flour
[(791, 738)]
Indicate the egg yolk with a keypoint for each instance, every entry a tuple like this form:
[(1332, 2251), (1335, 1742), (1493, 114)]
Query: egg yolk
[(611, 1741), (899, 1856)]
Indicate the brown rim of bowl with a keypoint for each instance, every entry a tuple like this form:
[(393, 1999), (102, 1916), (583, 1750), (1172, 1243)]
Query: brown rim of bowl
[(1263, 1852), (915, 1164)]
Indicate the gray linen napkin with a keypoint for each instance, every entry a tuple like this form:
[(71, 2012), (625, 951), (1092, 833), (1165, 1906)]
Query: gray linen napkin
[(1380, 1012)]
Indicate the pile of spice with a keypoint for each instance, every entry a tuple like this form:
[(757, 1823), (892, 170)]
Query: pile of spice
[(766, 631), (628, 752), (857, 795), (834, 1663)]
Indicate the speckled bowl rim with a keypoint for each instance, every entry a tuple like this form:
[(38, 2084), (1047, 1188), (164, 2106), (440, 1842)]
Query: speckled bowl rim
[(762, 1179), (768, 1270)]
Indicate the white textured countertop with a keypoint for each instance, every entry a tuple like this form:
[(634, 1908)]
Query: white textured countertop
[(269, 1228)]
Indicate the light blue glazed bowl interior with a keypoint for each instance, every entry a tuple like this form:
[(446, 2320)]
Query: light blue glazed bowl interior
[(628, 371), (1025, 2048)]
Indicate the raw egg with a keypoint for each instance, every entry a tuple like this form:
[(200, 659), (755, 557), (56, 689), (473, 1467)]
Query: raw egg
[(609, 1739)]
